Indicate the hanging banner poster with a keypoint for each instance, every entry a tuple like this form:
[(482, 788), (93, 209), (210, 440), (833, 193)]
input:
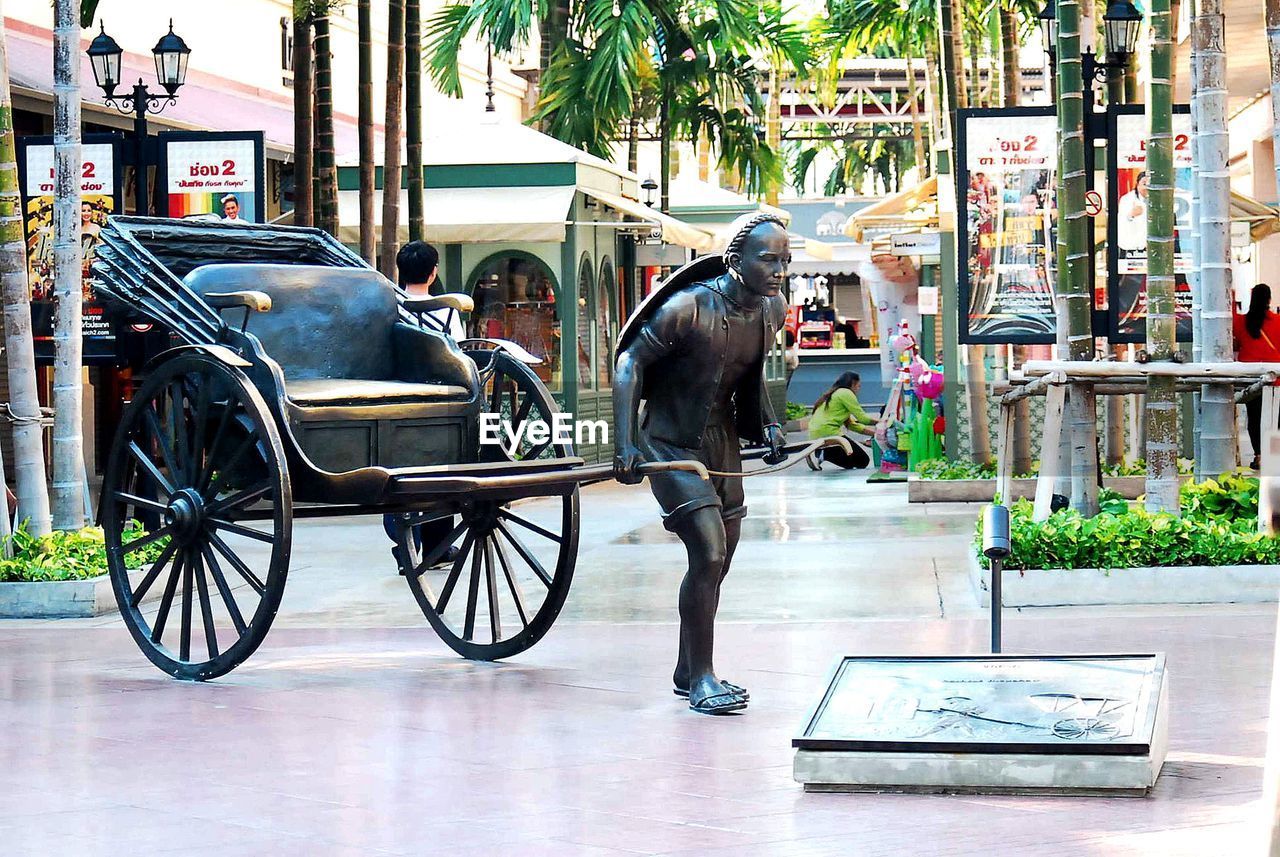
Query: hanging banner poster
[(1127, 226), (214, 175), (101, 194), (1006, 173)]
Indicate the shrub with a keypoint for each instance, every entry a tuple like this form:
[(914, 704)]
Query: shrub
[(796, 411), (69, 554), (1218, 526)]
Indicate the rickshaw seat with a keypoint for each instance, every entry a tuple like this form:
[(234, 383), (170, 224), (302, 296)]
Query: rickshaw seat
[(338, 338)]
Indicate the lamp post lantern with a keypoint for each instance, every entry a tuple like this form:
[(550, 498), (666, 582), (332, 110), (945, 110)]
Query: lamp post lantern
[(1121, 23), (171, 54), (648, 186)]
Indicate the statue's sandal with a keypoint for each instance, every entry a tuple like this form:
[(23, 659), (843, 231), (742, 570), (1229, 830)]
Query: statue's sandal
[(730, 686), (719, 703)]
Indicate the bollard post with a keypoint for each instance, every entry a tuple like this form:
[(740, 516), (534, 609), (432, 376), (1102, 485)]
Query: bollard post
[(996, 545)]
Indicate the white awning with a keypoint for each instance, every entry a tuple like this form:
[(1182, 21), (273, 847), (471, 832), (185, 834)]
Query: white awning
[(838, 260), (472, 215), (672, 230)]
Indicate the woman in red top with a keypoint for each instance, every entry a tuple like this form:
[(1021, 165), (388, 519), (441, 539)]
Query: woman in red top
[(1257, 335)]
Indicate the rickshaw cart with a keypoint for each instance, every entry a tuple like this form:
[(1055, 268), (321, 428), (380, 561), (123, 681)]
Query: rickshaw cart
[(301, 383)]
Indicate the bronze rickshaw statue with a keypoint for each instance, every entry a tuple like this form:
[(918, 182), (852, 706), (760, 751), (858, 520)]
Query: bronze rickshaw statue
[(302, 383)]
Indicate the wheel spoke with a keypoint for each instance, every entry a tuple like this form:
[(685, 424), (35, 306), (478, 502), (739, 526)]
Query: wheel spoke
[(528, 557), (126, 497), (197, 429), (220, 581), (166, 601), (536, 451), (473, 592), (491, 581), (517, 594), (143, 541), (150, 467), (181, 428), (495, 396), (206, 472), (184, 651), (530, 525), (241, 498), (237, 563), (156, 567), (443, 601), (241, 530), (162, 440), (245, 445), (439, 550), (522, 414), (206, 607)]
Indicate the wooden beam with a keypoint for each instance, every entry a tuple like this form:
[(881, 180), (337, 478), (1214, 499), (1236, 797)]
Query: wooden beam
[(1115, 369)]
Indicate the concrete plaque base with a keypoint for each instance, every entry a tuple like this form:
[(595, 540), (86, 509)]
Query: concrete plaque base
[(997, 724)]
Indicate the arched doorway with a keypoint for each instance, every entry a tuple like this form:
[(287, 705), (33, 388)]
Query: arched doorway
[(515, 294)]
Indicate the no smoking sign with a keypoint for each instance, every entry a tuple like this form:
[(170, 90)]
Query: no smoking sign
[(1092, 203)]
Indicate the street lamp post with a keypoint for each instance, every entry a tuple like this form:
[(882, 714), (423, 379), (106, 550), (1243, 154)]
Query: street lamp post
[(170, 54)]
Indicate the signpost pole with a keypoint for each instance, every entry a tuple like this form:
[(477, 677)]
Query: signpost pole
[(141, 206)]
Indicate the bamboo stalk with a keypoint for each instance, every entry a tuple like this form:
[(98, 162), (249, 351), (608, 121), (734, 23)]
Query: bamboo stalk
[(68, 363), (1162, 440), (1073, 272), (303, 105), (413, 116), (326, 167), (1218, 432)]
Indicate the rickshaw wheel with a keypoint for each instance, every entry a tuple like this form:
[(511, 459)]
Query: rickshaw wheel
[(505, 588), (196, 454)]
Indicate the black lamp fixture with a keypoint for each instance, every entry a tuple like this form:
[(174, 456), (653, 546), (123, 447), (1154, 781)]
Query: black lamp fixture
[(1048, 20), (104, 56), (171, 54), (648, 186), (1121, 23)]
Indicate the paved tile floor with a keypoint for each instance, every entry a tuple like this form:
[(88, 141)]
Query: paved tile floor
[(354, 731)]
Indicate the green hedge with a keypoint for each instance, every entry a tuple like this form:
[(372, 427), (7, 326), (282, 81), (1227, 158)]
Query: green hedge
[(944, 469), (1218, 526), (69, 554)]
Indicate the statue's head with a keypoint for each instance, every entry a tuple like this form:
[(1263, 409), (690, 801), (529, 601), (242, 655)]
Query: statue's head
[(759, 253)]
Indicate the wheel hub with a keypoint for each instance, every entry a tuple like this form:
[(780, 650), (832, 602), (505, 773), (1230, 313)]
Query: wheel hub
[(185, 513)]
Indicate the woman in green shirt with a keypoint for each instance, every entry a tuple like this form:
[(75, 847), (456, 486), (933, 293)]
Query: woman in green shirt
[(838, 410)]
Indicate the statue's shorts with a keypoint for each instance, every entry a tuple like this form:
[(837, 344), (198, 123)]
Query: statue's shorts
[(680, 492)]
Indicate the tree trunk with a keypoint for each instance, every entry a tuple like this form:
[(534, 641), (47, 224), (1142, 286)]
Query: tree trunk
[(664, 147), (950, 24), (28, 446), (68, 431), (633, 143), (773, 130), (1011, 78), (932, 104), (303, 112), (364, 122), (326, 169), (1162, 404), (1217, 435), (913, 102), (975, 74), (393, 126), (413, 114), (1073, 270), (553, 30)]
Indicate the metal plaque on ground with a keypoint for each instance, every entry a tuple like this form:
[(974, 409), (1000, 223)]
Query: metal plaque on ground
[(989, 723)]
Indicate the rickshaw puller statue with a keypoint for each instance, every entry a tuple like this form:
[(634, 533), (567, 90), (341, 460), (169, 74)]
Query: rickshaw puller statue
[(694, 353)]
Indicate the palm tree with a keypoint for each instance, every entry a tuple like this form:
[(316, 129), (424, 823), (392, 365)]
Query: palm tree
[(1162, 435), (326, 168), (700, 51), (28, 448), (303, 107), (364, 119), (392, 133), (68, 440), (413, 114)]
